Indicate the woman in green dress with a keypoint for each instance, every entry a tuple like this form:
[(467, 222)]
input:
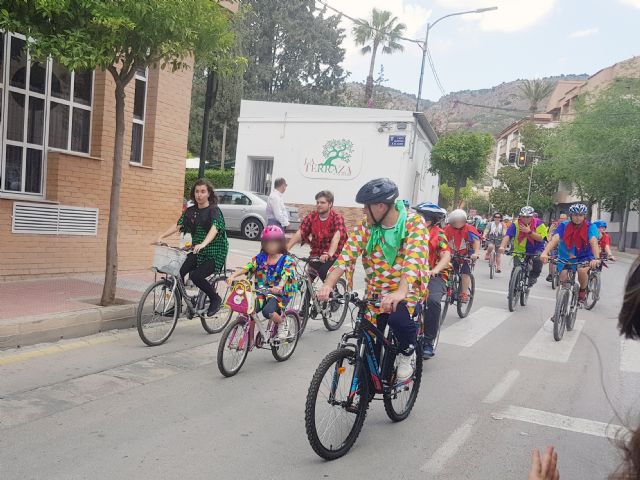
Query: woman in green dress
[(204, 221)]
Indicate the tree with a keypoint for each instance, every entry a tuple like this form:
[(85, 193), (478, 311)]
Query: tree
[(119, 36), (382, 30), (460, 156), (535, 91)]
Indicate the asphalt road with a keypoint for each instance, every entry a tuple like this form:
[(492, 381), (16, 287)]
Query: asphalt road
[(107, 407)]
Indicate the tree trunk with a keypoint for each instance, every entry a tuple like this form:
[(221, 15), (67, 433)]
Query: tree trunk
[(624, 226), (209, 100), (456, 194), (111, 270), (368, 89)]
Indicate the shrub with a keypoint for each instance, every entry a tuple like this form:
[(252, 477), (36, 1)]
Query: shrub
[(219, 178)]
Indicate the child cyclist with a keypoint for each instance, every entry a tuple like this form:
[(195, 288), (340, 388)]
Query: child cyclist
[(605, 239), (272, 269)]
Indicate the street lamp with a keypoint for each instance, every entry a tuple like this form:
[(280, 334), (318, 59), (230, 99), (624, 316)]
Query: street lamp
[(425, 45)]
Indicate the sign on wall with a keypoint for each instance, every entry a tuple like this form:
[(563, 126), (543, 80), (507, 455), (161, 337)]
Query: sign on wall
[(397, 140), (338, 159)]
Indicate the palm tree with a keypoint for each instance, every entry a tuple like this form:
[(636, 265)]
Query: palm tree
[(382, 29), (535, 91)]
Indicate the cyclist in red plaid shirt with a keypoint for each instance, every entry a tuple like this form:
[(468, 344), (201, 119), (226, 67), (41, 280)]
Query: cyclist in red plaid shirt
[(324, 230)]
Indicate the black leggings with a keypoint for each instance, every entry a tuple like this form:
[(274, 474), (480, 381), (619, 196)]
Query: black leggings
[(199, 273)]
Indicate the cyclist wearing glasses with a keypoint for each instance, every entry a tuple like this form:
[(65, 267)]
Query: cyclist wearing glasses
[(494, 233), (577, 242), (324, 230), (395, 255), (605, 239), (528, 234), (464, 240), (438, 273)]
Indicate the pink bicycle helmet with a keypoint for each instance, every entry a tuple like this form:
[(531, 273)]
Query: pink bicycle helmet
[(272, 232)]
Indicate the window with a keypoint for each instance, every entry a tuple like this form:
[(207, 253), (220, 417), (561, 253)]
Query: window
[(232, 198), (70, 96), (139, 112)]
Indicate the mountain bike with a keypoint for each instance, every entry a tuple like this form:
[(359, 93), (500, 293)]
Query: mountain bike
[(566, 310), (519, 281), (247, 332), (492, 263), (594, 283), (306, 300), (454, 288), (161, 303)]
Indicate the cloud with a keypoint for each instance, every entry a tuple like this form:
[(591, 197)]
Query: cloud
[(631, 3), (511, 16), (587, 32)]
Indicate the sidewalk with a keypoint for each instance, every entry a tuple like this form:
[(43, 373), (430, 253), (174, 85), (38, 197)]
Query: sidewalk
[(49, 309)]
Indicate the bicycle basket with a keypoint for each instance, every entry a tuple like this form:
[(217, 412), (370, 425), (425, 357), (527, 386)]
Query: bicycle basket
[(241, 298), (168, 260)]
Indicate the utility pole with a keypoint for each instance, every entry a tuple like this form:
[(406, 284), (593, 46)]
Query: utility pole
[(223, 152), (209, 100)]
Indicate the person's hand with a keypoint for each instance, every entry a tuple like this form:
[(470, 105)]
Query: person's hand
[(324, 258), (612, 258), (197, 248), (158, 241), (429, 273), (324, 293), (525, 229), (474, 256), (594, 263), (391, 301), (544, 258), (277, 290), (545, 468), (501, 249), (230, 280)]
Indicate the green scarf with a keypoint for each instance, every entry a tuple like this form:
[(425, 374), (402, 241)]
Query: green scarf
[(389, 239)]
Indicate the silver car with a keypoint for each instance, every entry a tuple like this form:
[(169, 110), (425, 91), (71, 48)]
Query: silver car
[(246, 212)]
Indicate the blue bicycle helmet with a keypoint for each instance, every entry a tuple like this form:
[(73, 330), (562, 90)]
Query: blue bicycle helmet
[(380, 190), (430, 212), (600, 224), (578, 209)]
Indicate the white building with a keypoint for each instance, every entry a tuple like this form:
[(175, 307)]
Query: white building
[(333, 148)]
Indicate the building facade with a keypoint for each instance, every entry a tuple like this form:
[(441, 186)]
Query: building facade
[(57, 141), (333, 148)]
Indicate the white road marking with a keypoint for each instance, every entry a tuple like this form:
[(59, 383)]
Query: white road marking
[(563, 422), (470, 330), (543, 346), (630, 356), (500, 390), (450, 447), (504, 294)]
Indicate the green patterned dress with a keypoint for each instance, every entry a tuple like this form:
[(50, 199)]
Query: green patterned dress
[(198, 222)]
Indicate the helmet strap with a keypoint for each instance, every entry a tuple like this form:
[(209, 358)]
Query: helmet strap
[(375, 220)]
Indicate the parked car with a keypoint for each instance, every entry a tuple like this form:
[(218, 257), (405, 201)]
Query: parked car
[(246, 212)]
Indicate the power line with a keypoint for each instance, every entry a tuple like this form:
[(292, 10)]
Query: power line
[(435, 73)]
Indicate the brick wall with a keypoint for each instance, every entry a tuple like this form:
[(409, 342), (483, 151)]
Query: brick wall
[(352, 215), (151, 194)]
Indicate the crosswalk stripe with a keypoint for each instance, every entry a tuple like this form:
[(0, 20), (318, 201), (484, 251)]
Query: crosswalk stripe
[(630, 356), (543, 346), (470, 330)]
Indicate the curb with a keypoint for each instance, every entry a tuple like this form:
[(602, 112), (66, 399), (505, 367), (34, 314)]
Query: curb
[(35, 329)]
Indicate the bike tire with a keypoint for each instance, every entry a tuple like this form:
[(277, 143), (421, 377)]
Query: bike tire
[(554, 281), (311, 427), (220, 319), (303, 313), (514, 283), (398, 416), (573, 308), (524, 293), (593, 288), (492, 265), (243, 322), (559, 314), (278, 350), (175, 313), (330, 325), (465, 308)]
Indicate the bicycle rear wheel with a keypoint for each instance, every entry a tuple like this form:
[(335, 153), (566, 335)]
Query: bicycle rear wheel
[(221, 318), (573, 308), (524, 290), (334, 418), (593, 291), (282, 349), (465, 308), (303, 303), (400, 401), (514, 286), (492, 264), (560, 314), (234, 346), (338, 307), (157, 313)]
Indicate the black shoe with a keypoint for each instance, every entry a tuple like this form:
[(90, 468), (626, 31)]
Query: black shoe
[(214, 306), (549, 278)]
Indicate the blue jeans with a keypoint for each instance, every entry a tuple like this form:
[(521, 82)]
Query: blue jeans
[(273, 221)]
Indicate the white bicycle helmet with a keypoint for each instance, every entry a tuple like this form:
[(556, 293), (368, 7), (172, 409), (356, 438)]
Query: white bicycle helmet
[(527, 211)]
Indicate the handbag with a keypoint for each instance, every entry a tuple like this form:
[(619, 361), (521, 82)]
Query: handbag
[(241, 299)]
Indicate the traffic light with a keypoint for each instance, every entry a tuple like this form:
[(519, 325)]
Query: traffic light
[(512, 157), (522, 158)]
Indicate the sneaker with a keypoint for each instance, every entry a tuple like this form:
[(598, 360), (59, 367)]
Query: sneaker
[(549, 278), (283, 330), (406, 366), (214, 306), (464, 298), (427, 351), (582, 296)]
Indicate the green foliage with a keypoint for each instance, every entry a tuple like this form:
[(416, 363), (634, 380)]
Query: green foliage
[(447, 194), (479, 202), (219, 179), (535, 91)]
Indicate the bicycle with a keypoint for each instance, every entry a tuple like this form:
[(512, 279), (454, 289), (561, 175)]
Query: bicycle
[(157, 319), (454, 288), (306, 301), (240, 337), (594, 283), (356, 361), (519, 281), (493, 264), (566, 309)]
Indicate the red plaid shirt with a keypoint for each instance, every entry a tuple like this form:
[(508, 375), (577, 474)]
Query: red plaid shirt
[(319, 233)]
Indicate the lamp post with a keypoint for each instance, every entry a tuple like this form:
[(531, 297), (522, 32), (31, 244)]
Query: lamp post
[(425, 45)]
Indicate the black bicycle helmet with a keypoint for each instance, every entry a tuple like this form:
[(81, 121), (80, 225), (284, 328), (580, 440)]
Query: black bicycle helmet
[(380, 190)]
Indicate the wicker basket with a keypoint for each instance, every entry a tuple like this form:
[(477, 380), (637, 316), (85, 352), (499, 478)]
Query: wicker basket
[(168, 260)]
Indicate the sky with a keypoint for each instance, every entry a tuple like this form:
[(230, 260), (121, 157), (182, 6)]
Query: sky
[(522, 39)]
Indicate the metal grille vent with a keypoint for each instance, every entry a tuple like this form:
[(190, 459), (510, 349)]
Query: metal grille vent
[(44, 219)]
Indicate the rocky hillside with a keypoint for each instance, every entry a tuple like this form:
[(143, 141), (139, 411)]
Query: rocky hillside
[(454, 111)]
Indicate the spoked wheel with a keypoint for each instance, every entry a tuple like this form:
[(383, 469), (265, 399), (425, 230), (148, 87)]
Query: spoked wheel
[(593, 291), (514, 287), (573, 309), (465, 308), (334, 316), (560, 314), (554, 281), (399, 403), (158, 312), (221, 318), (234, 347), (524, 292), (282, 349), (301, 303), (444, 305), (333, 418)]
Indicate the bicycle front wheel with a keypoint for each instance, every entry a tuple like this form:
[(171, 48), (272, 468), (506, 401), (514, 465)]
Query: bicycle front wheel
[(282, 349), (593, 290), (158, 312), (514, 285), (221, 318), (234, 347), (573, 308), (338, 307), (334, 414), (560, 314), (465, 308), (492, 265), (400, 401)]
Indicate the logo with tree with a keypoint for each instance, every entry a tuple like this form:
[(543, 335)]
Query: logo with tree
[(337, 150)]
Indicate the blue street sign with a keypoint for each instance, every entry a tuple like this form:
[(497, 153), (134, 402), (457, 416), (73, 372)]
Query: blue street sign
[(397, 140)]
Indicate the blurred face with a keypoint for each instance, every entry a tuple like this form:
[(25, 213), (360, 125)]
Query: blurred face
[(272, 247), (322, 205), (201, 194), (379, 210), (458, 223), (497, 219), (602, 230), (526, 220), (563, 217), (577, 218), (283, 187)]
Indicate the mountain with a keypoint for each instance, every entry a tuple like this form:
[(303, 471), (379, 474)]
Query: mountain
[(464, 109)]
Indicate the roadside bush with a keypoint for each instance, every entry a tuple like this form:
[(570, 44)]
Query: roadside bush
[(219, 178)]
